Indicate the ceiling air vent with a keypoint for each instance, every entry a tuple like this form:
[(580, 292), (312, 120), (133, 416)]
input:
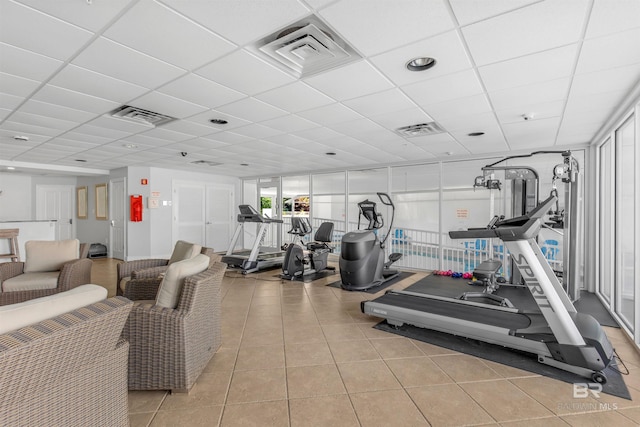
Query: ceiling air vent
[(205, 162), (139, 115), (307, 48), (421, 129)]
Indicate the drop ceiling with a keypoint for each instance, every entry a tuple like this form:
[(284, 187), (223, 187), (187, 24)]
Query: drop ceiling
[(65, 65)]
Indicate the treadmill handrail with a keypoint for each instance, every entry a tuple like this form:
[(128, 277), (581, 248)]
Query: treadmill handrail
[(510, 229), (249, 214)]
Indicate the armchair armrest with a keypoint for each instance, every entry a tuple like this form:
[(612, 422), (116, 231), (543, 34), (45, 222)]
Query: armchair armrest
[(125, 269), (75, 273), (10, 269), (149, 273), (142, 289)]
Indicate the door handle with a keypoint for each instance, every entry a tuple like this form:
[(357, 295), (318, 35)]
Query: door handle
[(208, 223), (113, 223)]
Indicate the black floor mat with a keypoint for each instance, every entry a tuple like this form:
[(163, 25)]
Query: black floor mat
[(403, 275), (615, 383), (309, 277)]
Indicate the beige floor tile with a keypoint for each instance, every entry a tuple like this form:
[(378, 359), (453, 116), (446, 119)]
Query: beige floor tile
[(395, 348), (433, 350), (305, 333), (223, 360), (262, 414), (507, 371), (264, 357), (141, 419), (341, 332), (387, 408), (556, 395), (312, 381), (206, 416), (538, 422), (210, 389), (417, 371), (351, 351), (631, 413), (259, 340), (367, 376), (465, 368), (335, 319), (257, 386), (308, 354), (325, 411), (504, 401), (598, 419), (145, 401), (448, 405)]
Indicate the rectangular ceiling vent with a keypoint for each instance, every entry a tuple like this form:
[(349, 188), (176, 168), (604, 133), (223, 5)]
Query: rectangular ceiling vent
[(205, 162), (141, 116), (421, 129), (306, 47)]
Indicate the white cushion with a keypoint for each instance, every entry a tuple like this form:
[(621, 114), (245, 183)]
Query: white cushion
[(49, 255), (16, 316), (173, 280), (184, 250), (31, 281)]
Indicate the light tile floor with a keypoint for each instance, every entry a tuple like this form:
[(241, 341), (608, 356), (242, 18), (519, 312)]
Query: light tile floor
[(298, 354)]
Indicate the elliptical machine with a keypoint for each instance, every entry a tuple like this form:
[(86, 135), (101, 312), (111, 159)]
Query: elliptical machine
[(362, 264), (314, 254)]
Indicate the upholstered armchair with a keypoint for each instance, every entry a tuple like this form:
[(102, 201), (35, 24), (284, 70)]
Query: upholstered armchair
[(50, 267), (62, 360), (154, 268), (174, 333)]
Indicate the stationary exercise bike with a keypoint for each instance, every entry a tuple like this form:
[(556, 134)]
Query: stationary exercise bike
[(362, 264), (313, 254)]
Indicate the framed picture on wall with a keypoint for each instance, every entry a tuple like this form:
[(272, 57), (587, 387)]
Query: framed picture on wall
[(81, 202), (101, 201)]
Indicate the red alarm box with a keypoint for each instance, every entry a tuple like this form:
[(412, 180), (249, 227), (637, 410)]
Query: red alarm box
[(135, 208)]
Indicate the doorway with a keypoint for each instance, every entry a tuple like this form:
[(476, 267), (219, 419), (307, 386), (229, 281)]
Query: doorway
[(269, 206), (56, 202), (118, 216)]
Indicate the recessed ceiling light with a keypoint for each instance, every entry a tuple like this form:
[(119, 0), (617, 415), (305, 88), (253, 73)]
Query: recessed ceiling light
[(219, 121), (449, 153), (11, 168), (129, 145), (81, 160), (244, 164), (476, 134), (420, 64), (21, 138), (330, 153)]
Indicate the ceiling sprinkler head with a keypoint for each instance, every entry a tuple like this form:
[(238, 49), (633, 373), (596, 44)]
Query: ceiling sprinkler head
[(528, 116)]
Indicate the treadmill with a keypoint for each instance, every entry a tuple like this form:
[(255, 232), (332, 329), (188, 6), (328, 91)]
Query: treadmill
[(555, 332), (258, 258)]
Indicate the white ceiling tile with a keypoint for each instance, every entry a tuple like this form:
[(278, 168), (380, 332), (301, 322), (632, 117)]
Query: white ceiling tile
[(538, 111), (439, 145), (4, 113), (17, 86), (83, 137), (118, 61), (471, 11), (92, 16), (190, 127), (256, 130), (167, 135), (29, 129), (532, 133), (205, 118), (350, 81), (295, 97), (119, 124), (613, 16), (376, 26), (355, 127), (290, 123), (594, 102), (531, 29), (201, 91), (16, 20), (26, 64), (152, 140), (144, 28), (468, 124), (241, 22), (91, 83), (467, 106), (402, 118), (72, 144), (539, 93), (75, 100), (330, 114), (491, 142), (387, 101), (9, 101), (168, 105), (229, 137), (445, 88), (604, 52), (447, 49), (549, 65), (44, 121), (317, 134), (100, 131), (246, 73), (252, 109), (610, 80)]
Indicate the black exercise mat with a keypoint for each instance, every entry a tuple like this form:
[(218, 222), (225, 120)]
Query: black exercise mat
[(403, 275), (528, 362), (589, 303), (309, 277)]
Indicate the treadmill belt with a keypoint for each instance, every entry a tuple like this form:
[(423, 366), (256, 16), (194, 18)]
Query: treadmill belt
[(470, 313)]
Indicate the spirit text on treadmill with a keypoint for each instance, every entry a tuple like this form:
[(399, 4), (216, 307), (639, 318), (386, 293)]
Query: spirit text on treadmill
[(532, 282)]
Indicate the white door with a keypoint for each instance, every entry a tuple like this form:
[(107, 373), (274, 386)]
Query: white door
[(57, 202), (220, 216), (118, 215), (189, 212)]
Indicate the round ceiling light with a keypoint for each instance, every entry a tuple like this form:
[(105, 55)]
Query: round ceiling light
[(476, 134), (244, 164), (420, 64), (219, 121), (330, 153)]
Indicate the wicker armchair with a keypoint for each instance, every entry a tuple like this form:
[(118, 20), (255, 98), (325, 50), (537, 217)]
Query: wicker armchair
[(70, 370), (145, 269), (72, 273), (171, 347)]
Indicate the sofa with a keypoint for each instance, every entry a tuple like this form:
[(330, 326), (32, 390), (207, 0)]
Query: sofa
[(63, 361)]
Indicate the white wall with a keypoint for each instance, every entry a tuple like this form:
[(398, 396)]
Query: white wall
[(15, 200)]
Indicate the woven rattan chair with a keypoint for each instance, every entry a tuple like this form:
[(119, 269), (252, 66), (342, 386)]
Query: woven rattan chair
[(171, 347), (73, 273), (70, 370)]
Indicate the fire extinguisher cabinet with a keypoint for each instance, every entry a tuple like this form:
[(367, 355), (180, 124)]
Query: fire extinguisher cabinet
[(135, 208)]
